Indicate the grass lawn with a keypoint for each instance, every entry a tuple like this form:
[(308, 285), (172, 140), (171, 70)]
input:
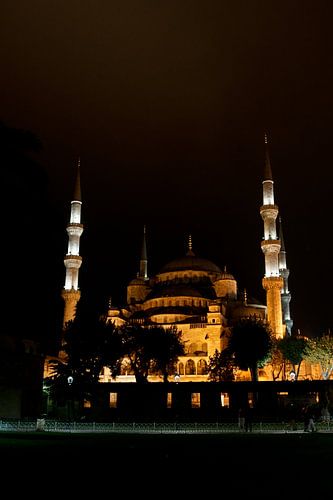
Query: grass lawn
[(247, 464)]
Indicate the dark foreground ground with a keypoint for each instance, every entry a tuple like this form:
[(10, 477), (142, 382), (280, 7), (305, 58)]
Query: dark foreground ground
[(169, 465)]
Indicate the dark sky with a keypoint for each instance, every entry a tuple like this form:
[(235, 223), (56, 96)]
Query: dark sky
[(167, 103)]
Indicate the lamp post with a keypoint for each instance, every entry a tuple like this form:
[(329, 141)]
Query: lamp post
[(70, 380)]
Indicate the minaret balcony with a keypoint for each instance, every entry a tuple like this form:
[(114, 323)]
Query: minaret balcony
[(74, 229), (73, 261), (269, 211), (270, 246)]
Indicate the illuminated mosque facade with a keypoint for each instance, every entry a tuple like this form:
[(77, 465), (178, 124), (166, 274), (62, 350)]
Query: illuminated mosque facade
[(193, 293)]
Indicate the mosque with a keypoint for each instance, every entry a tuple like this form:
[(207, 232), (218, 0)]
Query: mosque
[(193, 293)]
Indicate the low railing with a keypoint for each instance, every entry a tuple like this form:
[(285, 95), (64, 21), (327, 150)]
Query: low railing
[(47, 425)]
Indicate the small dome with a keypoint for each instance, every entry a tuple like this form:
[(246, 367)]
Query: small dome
[(137, 281), (227, 276), (191, 263)]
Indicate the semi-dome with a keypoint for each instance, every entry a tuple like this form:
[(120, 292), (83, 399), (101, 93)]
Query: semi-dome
[(175, 291), (190, 262)]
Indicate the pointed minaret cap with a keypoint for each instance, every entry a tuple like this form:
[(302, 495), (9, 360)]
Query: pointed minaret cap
[(144, 245), (190, 252), (77, 189), (281, 238), (268, 169)]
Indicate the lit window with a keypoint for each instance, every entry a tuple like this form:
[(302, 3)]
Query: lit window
[(113, 400), (169, 400), (195, 399), (225, 399), (202, 367)]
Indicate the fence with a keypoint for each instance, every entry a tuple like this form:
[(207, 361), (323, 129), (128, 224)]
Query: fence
[(155, 427)]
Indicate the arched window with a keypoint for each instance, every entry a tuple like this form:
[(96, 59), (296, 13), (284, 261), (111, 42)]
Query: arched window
[(193, 348), (181, 368), (202, 367), (204, 348), (190, 367)]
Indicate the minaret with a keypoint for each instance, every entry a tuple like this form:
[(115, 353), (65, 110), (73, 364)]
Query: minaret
[(71, 293), (272, 281), (143, 273), (284, 272)]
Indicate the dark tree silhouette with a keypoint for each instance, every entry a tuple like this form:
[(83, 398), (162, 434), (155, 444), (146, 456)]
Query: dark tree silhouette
[(167, 347), (151, 349), (89, 343), (293, 349), (250, 343), (221, 366)]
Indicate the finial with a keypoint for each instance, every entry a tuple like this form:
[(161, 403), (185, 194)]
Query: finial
[(189, 252), (144, 229), (79, 163), (245, 296), (225, 269), (110, 302), (266, 139), (190, 242)]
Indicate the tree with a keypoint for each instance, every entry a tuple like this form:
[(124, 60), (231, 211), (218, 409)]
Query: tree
[(320, 350), (293, 350), (89, 343), (167, 346), (277, 360), (250, 343), (151, 348), (221, 366)]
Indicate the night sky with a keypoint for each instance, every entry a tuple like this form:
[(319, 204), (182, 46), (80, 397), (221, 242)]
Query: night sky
[(167, 103)]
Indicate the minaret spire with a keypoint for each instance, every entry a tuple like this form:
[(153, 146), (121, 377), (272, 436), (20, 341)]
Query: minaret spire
[(143, 273), (268, 169), (71, 293), (77, 189), (284, 272), (270, 245)]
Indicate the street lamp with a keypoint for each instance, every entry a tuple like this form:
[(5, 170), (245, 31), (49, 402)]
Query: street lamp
[(70, 380)]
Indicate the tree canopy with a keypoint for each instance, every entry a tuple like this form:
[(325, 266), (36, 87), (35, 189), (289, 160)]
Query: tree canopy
[(320, 350), (151, 349), (293, 350), (250, 343), (221, 366)]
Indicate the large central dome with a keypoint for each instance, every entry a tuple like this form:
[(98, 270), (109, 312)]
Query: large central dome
[(190, 263)]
